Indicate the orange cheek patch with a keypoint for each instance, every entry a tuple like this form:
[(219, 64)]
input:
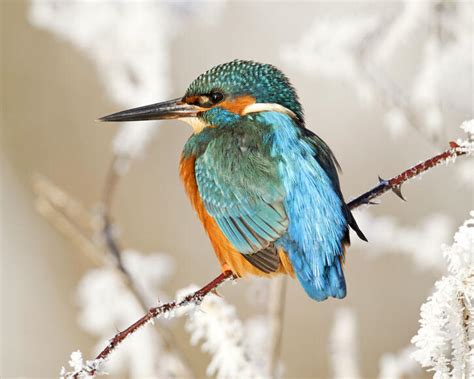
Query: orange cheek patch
[(237, 104)]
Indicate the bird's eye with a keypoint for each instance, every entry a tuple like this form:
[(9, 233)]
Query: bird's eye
[(205, 101), (216, 97)]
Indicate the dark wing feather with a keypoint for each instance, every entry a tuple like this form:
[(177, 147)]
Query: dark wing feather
[(328, 162), (266, 259)]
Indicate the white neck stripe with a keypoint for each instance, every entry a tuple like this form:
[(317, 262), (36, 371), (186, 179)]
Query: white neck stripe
[(268, 107)]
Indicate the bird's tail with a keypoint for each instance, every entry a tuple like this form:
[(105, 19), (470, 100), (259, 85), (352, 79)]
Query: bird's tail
[(328, 282)]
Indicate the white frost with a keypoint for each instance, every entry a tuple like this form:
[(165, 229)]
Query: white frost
[(445, 340), (216, 325), (81, 369)]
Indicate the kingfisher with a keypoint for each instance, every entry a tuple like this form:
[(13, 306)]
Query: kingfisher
[(265, 187)]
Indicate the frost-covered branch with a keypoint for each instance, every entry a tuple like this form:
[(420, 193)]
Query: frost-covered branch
[(168, 310)]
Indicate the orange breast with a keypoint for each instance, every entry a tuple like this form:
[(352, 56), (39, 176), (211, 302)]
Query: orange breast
[(229, 257)]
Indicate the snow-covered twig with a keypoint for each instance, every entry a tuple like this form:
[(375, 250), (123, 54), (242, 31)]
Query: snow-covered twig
[(163, 310), (81, 369)]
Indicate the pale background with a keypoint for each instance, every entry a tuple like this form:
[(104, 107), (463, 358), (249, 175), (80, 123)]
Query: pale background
[(50, 95)]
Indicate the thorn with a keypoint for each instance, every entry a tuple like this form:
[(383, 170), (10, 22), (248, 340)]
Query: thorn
[(214, 291), (382, 181), (397, 190), (373, 202), (453, 144)]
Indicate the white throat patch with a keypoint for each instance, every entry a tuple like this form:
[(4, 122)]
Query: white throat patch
[(196, 123)]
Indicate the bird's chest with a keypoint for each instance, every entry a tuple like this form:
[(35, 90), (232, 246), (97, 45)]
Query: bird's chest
[(233, 168), (228, 152)]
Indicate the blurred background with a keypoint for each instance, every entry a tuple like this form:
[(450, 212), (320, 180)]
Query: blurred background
[(385, 84)]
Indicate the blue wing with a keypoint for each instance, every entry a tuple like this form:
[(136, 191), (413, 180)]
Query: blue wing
[(328, 162), (318, 225)]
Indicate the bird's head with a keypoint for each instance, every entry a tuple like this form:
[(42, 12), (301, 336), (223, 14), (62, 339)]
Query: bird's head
[(222, 95)]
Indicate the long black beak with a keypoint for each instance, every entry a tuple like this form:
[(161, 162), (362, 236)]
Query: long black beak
[(166, 110)]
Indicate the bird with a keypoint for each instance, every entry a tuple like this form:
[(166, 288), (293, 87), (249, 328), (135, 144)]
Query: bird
[(265, 187)]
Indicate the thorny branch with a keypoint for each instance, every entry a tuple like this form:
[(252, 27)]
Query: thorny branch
[(395, 183), (197, 297)]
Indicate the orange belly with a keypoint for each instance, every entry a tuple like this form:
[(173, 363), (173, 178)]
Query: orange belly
[(229, 257)]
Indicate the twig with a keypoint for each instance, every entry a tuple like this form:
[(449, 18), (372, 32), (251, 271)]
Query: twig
[(396, 182), (196, 298)]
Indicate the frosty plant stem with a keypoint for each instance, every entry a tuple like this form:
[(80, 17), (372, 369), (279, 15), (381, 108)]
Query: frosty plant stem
[(193, 298), (197, 297)]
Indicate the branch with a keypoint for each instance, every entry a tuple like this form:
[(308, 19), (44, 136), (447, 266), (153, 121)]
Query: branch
[(196, 298), (396, 182)]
